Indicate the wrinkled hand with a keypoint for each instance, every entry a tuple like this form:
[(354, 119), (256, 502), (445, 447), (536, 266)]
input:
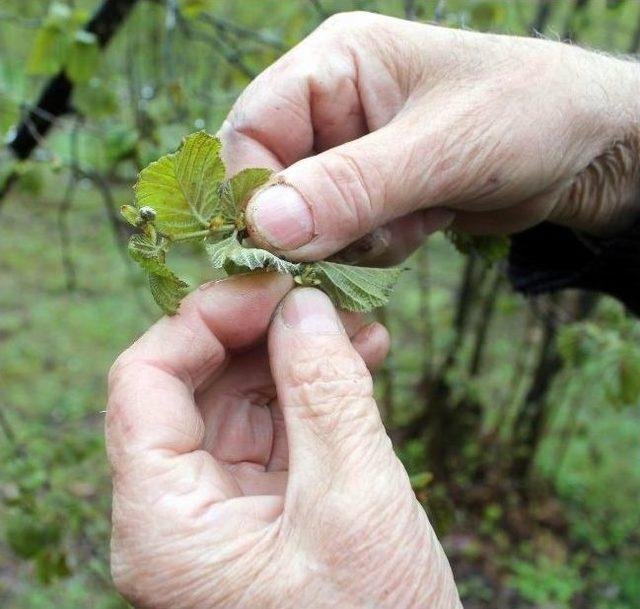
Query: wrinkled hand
[(248, 475), (378, 123)]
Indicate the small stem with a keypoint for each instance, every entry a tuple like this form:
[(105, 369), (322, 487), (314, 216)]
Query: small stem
[(203, 233)]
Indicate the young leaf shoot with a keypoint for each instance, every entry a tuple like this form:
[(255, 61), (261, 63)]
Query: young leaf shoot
[(184, 196)]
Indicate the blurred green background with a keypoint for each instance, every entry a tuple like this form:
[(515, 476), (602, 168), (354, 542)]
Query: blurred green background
[(518, 419)]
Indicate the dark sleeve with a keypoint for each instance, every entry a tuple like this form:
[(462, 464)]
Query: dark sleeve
[(547, 258)]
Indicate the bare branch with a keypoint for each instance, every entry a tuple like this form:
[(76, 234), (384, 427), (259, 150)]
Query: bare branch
[(55, 99)]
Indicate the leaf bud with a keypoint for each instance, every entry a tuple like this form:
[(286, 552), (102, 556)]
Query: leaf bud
[(148, 214)]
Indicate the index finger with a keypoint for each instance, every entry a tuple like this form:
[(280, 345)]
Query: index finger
[(306, 102)]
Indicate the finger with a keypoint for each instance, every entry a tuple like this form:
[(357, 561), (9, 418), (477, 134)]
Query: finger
[(324, 390), (151, 415), (320, 204), (236, 407), (507, 221), (274, 123), (396, 241), (372, 343), (334, 87)]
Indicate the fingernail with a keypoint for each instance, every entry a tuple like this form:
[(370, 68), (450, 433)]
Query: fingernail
[(436, 219), (310, 311), (281, 217)]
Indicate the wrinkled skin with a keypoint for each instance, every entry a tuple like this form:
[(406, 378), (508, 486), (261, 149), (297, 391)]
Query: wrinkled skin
[(258, 474), (403, 128), (217, 506)]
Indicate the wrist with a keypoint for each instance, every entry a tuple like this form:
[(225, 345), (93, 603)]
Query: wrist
[(603, 198)]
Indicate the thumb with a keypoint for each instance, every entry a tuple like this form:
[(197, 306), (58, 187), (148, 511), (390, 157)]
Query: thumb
[(325, 391), (321, 204)]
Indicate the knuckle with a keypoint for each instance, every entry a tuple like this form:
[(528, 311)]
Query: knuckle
[(117, 370), (353, 195), (346, 20), (346, 373), (119, 375), (332, 391)]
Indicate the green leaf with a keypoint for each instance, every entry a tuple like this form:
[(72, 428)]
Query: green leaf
[(247, 258), (131, 215), (27, 536), (168, 291), (183, 187), (236, 191), (355, 288), (487, 15), (420, 481), (51, 565), (149, 254), (51, 45), (84, 57), (629, 371), (149, 250), (9, 112), (120, 144), (491, 248), (94, 99), (59, 15), (30, 177), (193, 8), (49, 51)]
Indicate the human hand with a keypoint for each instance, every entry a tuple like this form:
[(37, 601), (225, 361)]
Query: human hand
[(246, 477), (378, 124)]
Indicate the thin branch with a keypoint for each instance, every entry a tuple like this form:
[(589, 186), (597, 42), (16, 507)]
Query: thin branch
[(541, 19), (634, 46), (570, 32), (120, 230), (322, 13), (7, 429), (64, 207), (410, 9), (31, 24), (221, 45), (55, 98), (424, 283), (243, 32), (439, 14), (485, 317)]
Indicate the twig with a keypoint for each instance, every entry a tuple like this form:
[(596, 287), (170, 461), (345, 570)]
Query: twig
[(64, 207), (322, 13), (410, 9), (19, 21), (634, 46), (541, 19), (242, 32), (7, 429), (55, 97), (221, 45), (63, 215), (570, 32), (385, 375), (440, 11), (120, 230), (424, 282), (485, 317)]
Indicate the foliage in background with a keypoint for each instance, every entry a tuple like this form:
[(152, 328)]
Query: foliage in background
[(518, 421)]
